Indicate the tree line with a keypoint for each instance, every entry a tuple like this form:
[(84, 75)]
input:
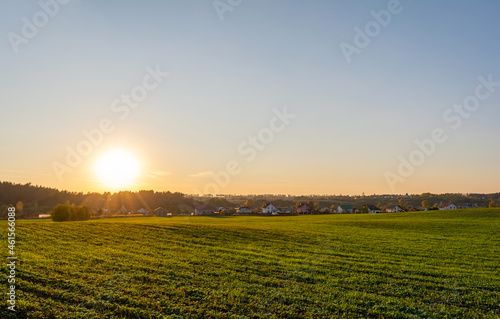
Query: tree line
[(31, 200)]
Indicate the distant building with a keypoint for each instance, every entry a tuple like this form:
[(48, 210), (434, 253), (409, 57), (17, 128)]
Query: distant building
[(372, 209), (394, 209), (270, 209), (345, 209), (447, 207), (162, 212), (203, 210), (304, 208), (143, 211)]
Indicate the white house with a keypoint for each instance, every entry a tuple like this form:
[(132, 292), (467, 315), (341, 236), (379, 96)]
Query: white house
[(447, 207), (395, 209), (270, 209)]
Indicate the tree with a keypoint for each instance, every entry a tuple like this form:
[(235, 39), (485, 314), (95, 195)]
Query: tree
[(82, 213), (60, 213), (492, 204), (5, 211), (403, 205), (425, 204), (19, 207), (72, 212), (249, 202), (184, 209)]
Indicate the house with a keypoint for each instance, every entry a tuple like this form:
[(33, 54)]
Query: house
[(203, 210), (394, 209), (143, 211), (245, 210), (324, 210), (270, 209), (372, 209), (345, 209), (447, 207), (304, 208), (162, 212), (123, 210), (360, 210)]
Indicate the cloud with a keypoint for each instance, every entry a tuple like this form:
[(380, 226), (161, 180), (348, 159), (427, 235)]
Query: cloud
[(202, 174)]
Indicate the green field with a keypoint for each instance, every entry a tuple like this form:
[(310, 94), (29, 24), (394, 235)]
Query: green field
[(409, 265)]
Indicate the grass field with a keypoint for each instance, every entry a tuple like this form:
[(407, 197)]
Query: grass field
[(409, 265)]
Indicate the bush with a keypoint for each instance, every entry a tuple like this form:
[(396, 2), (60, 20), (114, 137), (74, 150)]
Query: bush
[(82, 213), (63, 213)]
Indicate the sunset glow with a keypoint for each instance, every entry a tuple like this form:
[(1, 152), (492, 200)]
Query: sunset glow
[(117, 169)]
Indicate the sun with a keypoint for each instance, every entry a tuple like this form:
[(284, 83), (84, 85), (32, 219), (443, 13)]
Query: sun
[(117, 169)]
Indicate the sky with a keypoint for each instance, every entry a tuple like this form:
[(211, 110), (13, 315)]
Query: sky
[(252, 97)]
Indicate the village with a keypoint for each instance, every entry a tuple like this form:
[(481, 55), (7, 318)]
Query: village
[(270, 209)]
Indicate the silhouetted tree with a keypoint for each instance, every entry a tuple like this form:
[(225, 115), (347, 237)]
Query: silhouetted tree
[(61, 213), (425, 204)]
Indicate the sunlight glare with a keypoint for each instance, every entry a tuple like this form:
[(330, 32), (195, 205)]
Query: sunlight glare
[(117, 169)]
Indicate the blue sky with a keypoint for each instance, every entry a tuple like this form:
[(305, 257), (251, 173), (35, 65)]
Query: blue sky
[(354, 120)]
